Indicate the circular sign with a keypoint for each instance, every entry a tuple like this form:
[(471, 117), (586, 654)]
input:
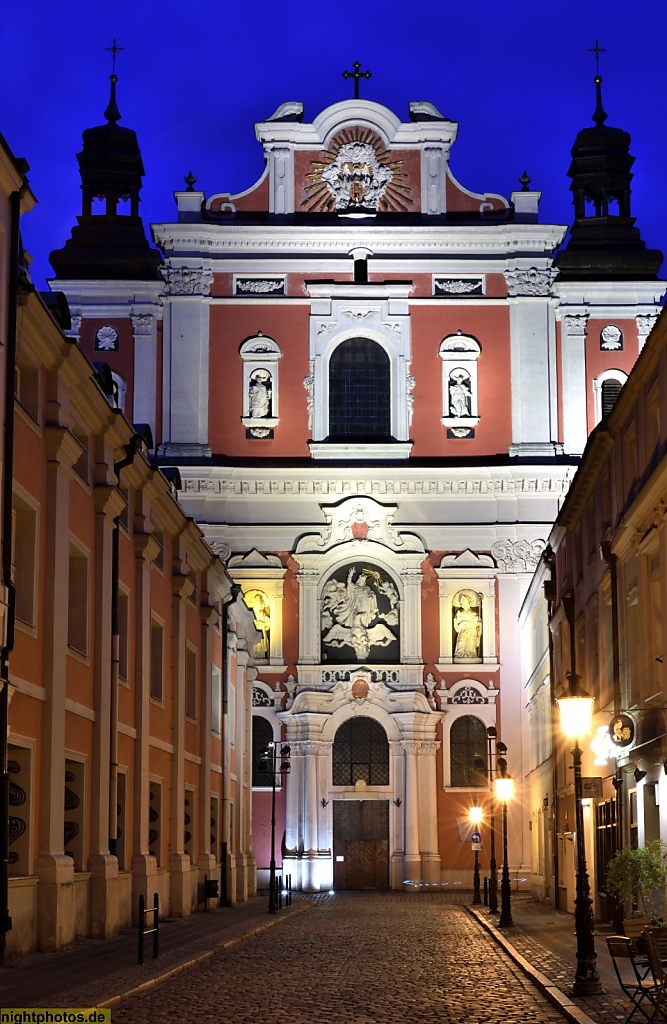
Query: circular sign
[(622, 731), (476, 837)]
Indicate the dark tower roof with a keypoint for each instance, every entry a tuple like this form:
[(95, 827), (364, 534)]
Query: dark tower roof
[(603, 240), (108, 245)]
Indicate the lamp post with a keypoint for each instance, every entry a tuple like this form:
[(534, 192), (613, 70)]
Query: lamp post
[(475, 815), (493, 869), (269, 763), (576, 715), (504, 786)]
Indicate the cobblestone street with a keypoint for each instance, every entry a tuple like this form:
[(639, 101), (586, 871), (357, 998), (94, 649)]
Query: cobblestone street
[(367, 959)]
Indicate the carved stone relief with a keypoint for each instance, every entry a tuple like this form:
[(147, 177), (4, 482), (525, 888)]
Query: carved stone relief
[(359, 619), (529, 282), (187, 280), (517, 555)]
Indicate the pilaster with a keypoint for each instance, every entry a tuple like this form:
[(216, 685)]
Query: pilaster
[(179, 861), (573, 348), (186, 361)]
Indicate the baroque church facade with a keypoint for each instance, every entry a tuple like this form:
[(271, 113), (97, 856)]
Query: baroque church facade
[(376, 386)]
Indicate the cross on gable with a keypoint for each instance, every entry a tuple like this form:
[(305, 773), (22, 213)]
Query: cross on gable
[(356, 75), (113, 50), (597, 50)]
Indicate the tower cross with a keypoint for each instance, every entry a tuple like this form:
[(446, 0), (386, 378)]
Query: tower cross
[(113, 50), (356, 75), (597, 50)]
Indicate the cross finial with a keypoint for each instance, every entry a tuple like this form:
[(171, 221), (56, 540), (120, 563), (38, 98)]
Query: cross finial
[(356, 75), (113, 50), (597, 50)]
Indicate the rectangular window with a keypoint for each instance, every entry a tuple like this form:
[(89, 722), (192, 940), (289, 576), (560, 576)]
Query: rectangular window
[(123, 634), (216, 700), (159, 558), (77, 608), (157, 645), (191, 683), (27, 389), (214, 826), (82, 464), (24, 558)]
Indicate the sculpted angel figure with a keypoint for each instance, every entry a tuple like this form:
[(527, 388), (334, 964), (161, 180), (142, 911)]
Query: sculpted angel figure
[(459, 395), (467, 626), (350, 613)]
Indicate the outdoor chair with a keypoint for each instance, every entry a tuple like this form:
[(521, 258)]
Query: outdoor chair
[(630, 971), (656, 950)]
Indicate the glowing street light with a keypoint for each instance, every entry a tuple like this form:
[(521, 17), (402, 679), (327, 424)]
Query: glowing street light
[(576, 718), (504, 785)]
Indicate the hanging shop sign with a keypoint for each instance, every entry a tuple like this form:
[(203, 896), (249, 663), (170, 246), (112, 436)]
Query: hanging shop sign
[(622, 732)]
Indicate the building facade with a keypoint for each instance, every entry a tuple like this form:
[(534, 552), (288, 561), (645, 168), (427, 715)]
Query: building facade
[(376, 385), (128, 663), (605, 594)]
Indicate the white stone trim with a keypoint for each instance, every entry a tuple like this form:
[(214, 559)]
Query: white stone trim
[(261, 354), (452, 712), (459, 352), (611, 374), (452, 579)]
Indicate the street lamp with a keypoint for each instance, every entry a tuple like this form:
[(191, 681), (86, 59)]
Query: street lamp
[(504, 786), (493, 869), (576, 715), (475, 815), (269, 763)]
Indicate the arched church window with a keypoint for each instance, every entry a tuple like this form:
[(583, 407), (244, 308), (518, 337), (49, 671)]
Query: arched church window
[(262, 735), (467, 746), (359, 391), (606, 389), (361, 753), (611, 389)]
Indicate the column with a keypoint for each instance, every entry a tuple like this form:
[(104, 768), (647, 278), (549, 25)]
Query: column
[(104, 895), (575, 419), (410, 615), (294, 784), (144, 410), (428, 818), (179, 862), (412, 868), (533, 363), (309, 618), (144, 866), (207, 863), (56, 871), (310, 880), (186, 362)]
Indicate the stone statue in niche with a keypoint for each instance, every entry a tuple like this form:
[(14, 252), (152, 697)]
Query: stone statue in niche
[(467, 624), (460, 393), (357, 613), (260, 607), (260, 394)]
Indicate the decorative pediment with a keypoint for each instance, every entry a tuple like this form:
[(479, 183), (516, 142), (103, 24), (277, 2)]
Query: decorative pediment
[(359, 519), (255, 560), (467, 560)]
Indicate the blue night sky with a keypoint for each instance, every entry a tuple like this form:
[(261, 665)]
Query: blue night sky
[(194, 78)]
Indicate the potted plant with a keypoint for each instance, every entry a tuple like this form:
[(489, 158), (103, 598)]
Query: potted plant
[(639, 876)]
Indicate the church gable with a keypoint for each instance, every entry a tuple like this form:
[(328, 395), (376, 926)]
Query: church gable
[(357, 159)]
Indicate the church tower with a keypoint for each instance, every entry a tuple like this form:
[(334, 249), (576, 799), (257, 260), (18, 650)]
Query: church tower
[(603, 242)]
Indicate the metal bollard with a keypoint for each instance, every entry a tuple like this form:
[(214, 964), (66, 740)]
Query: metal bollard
[(154, 910)]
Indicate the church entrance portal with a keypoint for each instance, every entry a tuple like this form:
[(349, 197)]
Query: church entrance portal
[(361, 844)]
